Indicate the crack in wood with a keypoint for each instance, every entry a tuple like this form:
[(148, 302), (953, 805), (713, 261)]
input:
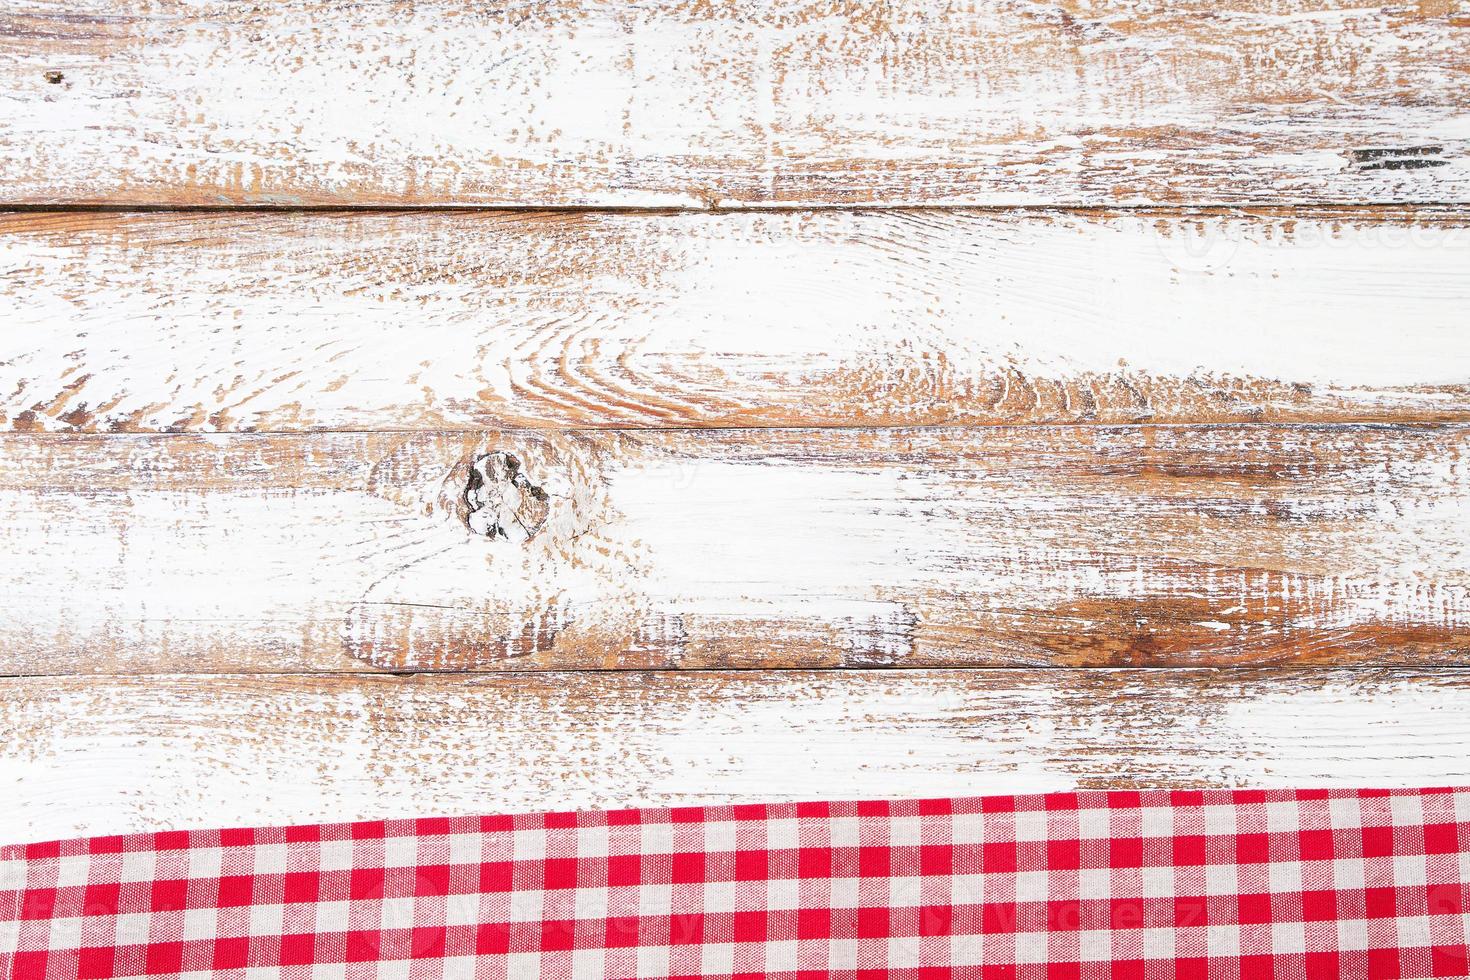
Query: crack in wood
[(1397, 158)]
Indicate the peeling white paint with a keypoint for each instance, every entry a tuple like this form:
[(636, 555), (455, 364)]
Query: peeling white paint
[(441, 320), (988, 545), (110, 755), (685, 104)]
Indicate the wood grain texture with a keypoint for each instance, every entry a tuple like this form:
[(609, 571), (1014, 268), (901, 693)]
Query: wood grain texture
[(735, 548), (291, 321), (694, 103), (107, 755)]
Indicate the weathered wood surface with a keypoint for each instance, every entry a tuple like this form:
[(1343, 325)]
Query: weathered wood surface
[(291, 321), (1044, 545), (99, 755), (699, 104)]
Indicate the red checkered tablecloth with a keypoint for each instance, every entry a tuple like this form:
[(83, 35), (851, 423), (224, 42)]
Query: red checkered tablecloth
[(1155, 884)]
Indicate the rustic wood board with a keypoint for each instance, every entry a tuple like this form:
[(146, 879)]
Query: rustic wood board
[(702, 104), (1051, 545), (420, 321), (111, 754), (314, 510)]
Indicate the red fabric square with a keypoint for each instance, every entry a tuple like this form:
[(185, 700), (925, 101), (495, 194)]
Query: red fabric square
[(101, 899), (1191, 968), (1191, 911), (431, 827), (165, 957), (1447, 899), (751, 865), (495, 876), (1252, 849), (1441, 838), (429, 941), (492, 939), (1253, 909), (1129, 970), (29, 965), (431, 879), (1189, 850), (814, 862), (236, 891), (621, 932), (557, 934), (1316, 845), (750, 927), (936, 859), (367, 883), (1323, 966), (998, 856), (37, 904), (1383, 964), (1377, 842), (231, 953), (998, 917), (936, 920), (301, 886), (688, 868), (562, 872), (96, 963), (1064, 855), (872, 923), (1380, 903), (813, 924), (1449, 961), (873, 862), (624, 870), (169, 896), (298, 949), (369, 830), (363, 945), (1125, 852), (1319, 906)]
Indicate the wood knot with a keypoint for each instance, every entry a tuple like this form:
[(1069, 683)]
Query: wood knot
[(54, 77), (500, 502)]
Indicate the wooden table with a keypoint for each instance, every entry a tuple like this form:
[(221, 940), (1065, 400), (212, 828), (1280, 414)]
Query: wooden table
[(437, 407)]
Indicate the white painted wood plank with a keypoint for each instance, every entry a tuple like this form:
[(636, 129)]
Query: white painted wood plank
[(698, 104), (107, 755), (279, 322), (747, 548)]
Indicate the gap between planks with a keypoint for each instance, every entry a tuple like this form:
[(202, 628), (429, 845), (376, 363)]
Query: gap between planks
[(1262, 208), (542, 673), (68, 435)]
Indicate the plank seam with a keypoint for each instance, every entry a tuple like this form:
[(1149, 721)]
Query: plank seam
[(539, 672), (1335, 426), (1296, 208)]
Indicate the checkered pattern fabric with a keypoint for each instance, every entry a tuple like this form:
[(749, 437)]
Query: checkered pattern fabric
[(1215, 884)]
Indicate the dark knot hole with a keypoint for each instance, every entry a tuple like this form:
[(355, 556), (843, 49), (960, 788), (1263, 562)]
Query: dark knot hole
[(500, 501)]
